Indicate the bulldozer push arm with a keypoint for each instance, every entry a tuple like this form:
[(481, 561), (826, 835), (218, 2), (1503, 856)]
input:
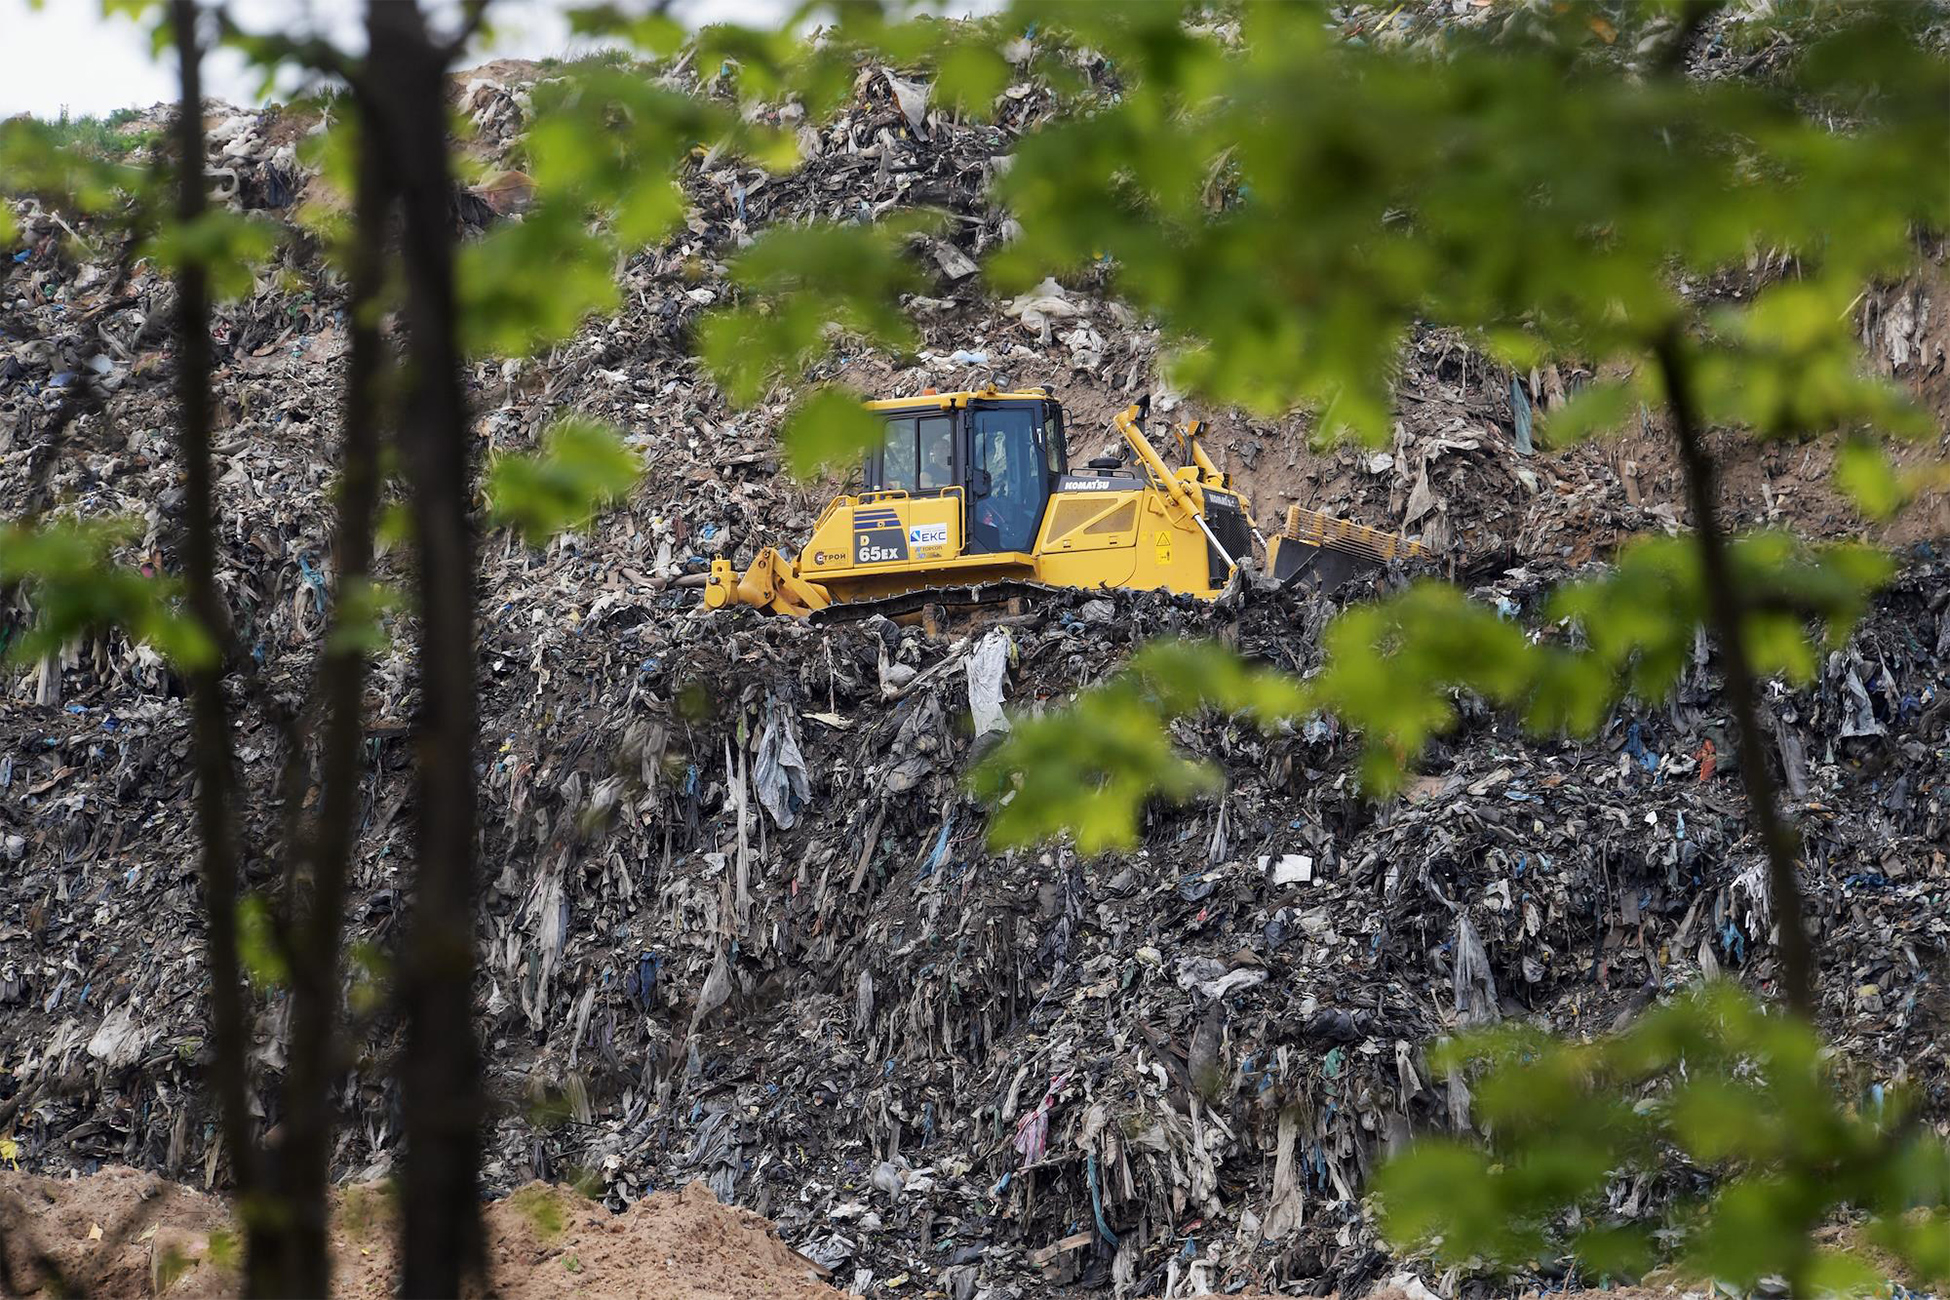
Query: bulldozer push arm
[(1315, 549), (1127, 422)]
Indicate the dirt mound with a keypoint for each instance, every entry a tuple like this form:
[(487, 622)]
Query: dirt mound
[(124, 1232), (544, 1241)]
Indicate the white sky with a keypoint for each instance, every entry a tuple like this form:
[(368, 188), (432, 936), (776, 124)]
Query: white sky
[(65, 54)]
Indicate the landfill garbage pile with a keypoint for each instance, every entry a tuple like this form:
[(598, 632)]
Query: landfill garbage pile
[(739, 923), (740, 926)]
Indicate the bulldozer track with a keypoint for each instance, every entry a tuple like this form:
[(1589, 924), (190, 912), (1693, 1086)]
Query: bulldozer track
[(954, 599)]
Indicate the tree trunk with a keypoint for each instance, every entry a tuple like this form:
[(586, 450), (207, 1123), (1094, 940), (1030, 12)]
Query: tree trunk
[(196, 546), (1724, 616), (314, 1056), (442, 1093)]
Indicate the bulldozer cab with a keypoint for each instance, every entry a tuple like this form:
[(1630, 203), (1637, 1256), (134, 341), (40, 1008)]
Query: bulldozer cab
[(1000, 456)]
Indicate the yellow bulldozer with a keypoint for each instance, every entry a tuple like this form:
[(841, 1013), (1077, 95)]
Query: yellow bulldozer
[(970, 499)]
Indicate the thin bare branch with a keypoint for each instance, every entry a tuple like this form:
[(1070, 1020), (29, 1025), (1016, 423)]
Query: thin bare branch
[(1726, 610), (474, 13), (310, 52)]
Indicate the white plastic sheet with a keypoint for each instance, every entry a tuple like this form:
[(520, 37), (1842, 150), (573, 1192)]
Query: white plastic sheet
[(987, 667)]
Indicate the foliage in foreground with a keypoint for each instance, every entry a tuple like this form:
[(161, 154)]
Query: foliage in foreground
[(580, 467), (76, 587), (1089, 769), (1771, 1135)]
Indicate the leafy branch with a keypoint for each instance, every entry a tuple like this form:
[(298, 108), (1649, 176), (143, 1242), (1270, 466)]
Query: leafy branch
[(1743, 1094)]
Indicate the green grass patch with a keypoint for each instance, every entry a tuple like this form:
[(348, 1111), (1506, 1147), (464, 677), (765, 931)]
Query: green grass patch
[(107, 138), (368, 1209), (539, 1206)]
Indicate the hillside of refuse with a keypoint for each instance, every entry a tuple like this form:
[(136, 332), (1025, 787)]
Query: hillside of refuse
[(739, 922)]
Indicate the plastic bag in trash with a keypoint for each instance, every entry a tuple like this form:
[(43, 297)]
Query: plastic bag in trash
[(780, 771), (986, 668)]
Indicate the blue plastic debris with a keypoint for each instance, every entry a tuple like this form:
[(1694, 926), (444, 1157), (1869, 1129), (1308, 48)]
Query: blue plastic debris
[(1636, 748), (940, 847), (1097, 1201), (1733, 943), (1520, 408), (316, 583), (641, 981)]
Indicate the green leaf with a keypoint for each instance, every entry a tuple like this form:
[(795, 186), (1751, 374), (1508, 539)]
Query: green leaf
[(1751, 1230), (1089, 770), (1863, 472), (395, 526), (1087, 773), (228, 245), (1614, 1251), (74, 586), (36, 161), (581, 467), (1716, 1118), (971, 75), (1844, 1273), (1418, 1191), (648, 213), (359, 622), (807, 287), (608, 143), (529, 284), (1288, 207), (654, 33), (171, 1264), (372, 972), (1788, 364), (1392, 669), (1185, 677), (1919, 1237), (259, 946), (1750, 1094), (828, 428), (1596, 408)]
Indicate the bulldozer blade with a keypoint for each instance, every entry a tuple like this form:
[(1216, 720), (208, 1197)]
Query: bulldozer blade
[(1317, 568)]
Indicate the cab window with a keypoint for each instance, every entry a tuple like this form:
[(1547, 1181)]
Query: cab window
[(1053, 446), (919, 453), (897, 455), (1006, 505), (936, 436)]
